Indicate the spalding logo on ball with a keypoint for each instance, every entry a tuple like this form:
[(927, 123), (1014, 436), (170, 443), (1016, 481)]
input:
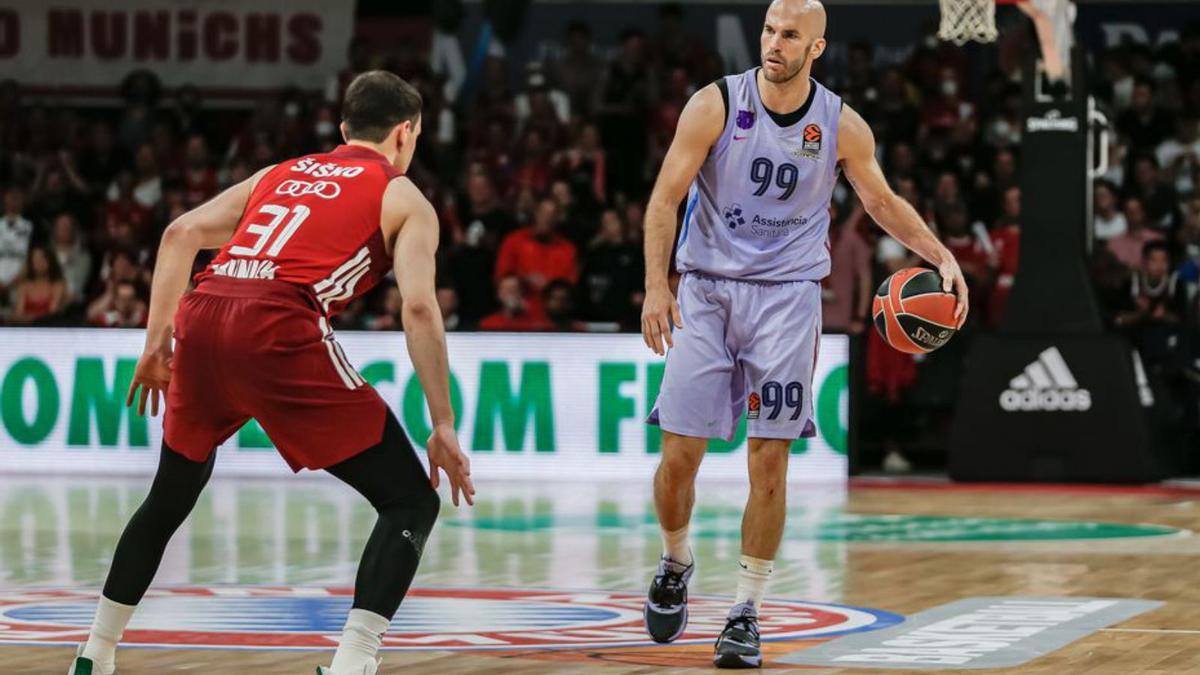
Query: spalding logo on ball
[(913, 313)]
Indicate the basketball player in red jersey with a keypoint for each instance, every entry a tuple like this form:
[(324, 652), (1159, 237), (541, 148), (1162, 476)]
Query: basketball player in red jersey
[(298, 241)]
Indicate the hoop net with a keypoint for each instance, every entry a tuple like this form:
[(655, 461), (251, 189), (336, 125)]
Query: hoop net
[(966, 20)]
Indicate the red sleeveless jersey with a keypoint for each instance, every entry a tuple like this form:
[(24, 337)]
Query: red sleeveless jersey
[(314, 222)]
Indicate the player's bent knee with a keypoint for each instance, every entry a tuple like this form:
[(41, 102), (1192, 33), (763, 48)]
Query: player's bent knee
[(412, 515), (680, 465), (768, 464), (429, 504)]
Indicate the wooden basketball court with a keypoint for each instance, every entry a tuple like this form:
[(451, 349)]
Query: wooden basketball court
[(889, 550)]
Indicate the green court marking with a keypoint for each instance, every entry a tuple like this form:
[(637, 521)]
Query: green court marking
[(840, 527), (852, 527)]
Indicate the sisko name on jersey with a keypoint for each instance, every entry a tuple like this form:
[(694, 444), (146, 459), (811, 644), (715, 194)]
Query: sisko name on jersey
[(241, 268), (316, 169)]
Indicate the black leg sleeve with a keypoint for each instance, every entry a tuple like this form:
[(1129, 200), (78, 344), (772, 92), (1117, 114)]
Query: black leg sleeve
[(176, 487), (392, 478)]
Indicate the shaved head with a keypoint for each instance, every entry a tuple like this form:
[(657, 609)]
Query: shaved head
[(793, 35), (811, 13)]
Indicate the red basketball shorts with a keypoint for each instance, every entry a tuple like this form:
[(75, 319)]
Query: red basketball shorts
[(260, 349)]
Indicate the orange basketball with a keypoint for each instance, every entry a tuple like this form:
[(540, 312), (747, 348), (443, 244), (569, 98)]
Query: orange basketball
[(912, 313)]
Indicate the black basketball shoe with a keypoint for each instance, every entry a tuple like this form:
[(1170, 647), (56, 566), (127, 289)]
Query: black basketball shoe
[(738, 645), (666, 604)]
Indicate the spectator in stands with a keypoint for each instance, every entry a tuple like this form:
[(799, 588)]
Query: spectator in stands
[(1179, 156), (353, 317), (485, 217), (237, 171), (16, 231), (673, 45), (147, 182), (612, 273), (676, 91), (118, 307), (1189, 241), (1144, 124), (72, 256), (101, 158), (514, 313), (895, 117), (559, 305), (141, 90), (58, 188), (537, 254), (447, 299), (485, 222), (121, 265), (188, 110), (577, 222), (1153, 310), (947, 195), (198, 176), (390, 317), (325, 129), (902, 161), (890, 374), (40, 291), (578, 69), (622, 104), (541, 106), (1107, 220), (124, 206), (1157, 197), (583, 166), (1006, 240), (1127, 247), (533, 169), (846, 292), (972, 254), (944, 111)]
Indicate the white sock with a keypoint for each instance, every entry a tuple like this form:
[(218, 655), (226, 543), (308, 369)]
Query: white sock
[(107, 628), (676, 545), (752, 580), (361, 639)]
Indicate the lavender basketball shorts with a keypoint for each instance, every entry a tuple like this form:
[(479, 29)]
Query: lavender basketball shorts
[(745, 347)]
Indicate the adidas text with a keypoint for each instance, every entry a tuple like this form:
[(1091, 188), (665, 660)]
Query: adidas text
[(1014, 400), (1046, 384)]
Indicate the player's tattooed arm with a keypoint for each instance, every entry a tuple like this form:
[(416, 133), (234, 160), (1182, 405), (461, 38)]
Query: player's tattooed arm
[(856, 152), (700, 125)]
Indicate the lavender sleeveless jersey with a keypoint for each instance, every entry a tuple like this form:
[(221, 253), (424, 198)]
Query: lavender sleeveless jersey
[(759, 207)]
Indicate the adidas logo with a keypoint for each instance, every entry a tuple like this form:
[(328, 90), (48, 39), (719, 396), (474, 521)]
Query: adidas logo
[(1046, 384)]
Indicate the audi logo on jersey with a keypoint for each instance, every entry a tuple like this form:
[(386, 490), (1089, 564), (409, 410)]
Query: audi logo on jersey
[(298, 188)]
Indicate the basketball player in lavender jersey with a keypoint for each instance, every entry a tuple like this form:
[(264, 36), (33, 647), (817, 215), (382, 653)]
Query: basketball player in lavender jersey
[(761, 151)]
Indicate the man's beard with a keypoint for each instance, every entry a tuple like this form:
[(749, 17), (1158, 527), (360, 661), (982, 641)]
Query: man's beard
[(787, 75)]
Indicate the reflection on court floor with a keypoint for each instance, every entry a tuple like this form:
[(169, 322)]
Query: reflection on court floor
[(551, 574), (311, 531)]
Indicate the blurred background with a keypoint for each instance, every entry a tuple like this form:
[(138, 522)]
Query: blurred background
[(541, 117)]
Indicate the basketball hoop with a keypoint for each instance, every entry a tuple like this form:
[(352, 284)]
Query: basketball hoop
[(967, 20)]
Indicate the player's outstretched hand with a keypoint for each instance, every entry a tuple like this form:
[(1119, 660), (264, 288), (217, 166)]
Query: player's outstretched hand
[(953, 282), (445, 455), (152, 374), (659, 310)]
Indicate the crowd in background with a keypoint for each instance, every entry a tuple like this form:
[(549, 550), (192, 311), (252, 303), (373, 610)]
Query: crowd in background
[(540, 172)]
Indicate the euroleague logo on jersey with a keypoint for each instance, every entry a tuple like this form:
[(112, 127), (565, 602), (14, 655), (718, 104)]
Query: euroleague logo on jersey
[(325, 189), (810, 146), (273, 617)]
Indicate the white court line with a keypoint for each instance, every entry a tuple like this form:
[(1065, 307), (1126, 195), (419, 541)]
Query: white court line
[(1151, 630)]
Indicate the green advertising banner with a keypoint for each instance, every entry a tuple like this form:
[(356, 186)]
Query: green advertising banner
[(527, 405)]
